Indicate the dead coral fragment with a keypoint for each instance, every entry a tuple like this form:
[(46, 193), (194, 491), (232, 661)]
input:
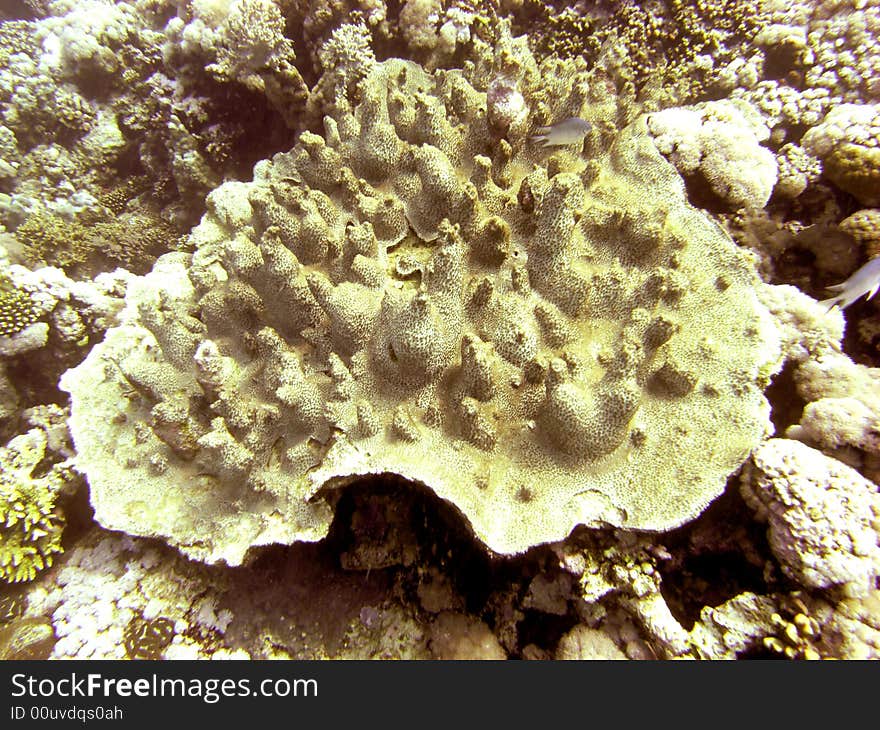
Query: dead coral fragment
[(848, 143), (821, 515)]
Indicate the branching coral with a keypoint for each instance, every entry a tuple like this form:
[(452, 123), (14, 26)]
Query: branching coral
[(128, 238), (30, 522), (670, 51), (253, 50)]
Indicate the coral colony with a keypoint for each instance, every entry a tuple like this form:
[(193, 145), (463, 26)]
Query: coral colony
[(311, 313)]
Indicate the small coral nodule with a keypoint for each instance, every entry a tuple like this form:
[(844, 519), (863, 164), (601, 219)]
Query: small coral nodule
[(17, 309), (148, 639)]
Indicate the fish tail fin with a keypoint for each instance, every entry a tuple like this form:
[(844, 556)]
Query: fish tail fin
[(540, 138), (833, 302)]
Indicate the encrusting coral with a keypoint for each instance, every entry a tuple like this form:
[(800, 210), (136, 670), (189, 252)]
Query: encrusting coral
[(542, 340)]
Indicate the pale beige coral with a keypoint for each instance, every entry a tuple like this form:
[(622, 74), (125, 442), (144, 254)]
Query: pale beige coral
[(243, 41), (797, 171), (864, 227), (833, 46), (720, 141), (848, 69), (409, 294), (809, 333), (419, 23), (786, 108), (346, 57), (842, 414)]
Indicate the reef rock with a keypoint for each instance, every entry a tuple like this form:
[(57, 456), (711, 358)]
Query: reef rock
[(822, 515), (543, 340)]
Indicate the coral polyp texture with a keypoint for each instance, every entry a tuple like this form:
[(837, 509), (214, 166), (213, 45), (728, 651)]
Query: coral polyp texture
[(542, 340)]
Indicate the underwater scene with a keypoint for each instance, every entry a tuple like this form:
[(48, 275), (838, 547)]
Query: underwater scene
[(439, 329)]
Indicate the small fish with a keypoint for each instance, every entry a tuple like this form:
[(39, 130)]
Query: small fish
[(864, 281), (568, 131)]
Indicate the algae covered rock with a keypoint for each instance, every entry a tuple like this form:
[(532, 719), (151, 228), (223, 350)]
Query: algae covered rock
[(542, 340)]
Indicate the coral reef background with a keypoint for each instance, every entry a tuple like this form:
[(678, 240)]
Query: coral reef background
[(309, 348)]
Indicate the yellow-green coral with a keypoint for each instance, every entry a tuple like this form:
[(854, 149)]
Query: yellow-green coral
[(129, 238), (53, 240), (116, 198), (544, 340), (30, 521), (856, 169), (17, 310)]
